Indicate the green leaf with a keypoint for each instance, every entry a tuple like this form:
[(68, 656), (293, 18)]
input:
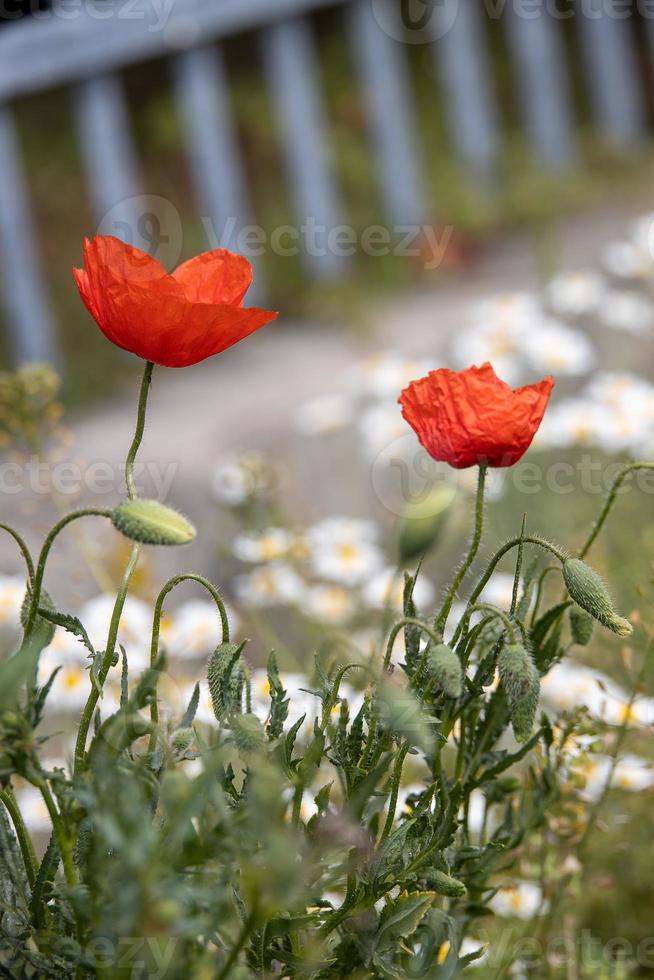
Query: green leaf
[(189, 714), (401, 918), (70, 623)]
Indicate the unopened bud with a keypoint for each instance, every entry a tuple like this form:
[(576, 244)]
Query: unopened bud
[(182, 739), (248, 733), (445, 667), (522, 685), (589, 591), (225, 676), (149, 522), (45, 602), (445, 884), (582, 625)]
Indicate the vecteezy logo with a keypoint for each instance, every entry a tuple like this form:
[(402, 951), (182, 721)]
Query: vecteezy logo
[(415, 21), (149, 223)]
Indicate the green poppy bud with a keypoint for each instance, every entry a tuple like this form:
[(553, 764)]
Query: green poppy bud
[(522, 685), (445, 667), (225, 676), (45, 602), (150, 522), (582, 625), (445, 884), (589, 591), (248, 733), (182, 739)]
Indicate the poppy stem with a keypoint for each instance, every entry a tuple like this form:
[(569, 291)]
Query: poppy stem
[(140, 427), (441, 621)]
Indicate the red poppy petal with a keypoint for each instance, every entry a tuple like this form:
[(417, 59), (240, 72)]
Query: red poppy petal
[(218, 277)]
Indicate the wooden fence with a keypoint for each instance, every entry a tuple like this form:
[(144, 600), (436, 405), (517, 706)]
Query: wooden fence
[(85, 48)]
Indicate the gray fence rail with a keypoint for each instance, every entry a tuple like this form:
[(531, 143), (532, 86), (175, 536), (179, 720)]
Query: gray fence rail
[(86, 47)]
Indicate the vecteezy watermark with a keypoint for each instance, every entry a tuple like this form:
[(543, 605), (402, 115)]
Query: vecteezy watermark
[(155, 14), (426, 21), (153, 224), (68, 478), (404, 476)]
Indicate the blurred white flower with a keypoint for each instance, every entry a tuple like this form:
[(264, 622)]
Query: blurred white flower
[(385, 374), (342, 549), (239, 477), (270, 585), (551, 346), (631, 773), (498, 591), (71, 686), (498, 343), (634, 774), (272, 544), (33, 809), (574, 422), (329, 603), (524, 900), (575, 293), (507, 310), (386, 590), (625, 310), (324, 415), (628, 260), (568, 685), (380, 425), (134, 632), (194, 629), (12, 593)]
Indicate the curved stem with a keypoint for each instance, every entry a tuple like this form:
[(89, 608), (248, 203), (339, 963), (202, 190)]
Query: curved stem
[(22, 834), (400, 625), (24, 550), (140, 427), (497, 557), (112, 638), (395, 788), (37, 581), (493, 613), (441, 621), (610, 500), (156, 624)]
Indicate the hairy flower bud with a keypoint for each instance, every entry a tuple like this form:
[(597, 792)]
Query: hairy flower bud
[(248, 733), (589, 591), (182, 739), (445, 884), (522, 685), (581, 626), (225, 677), (45, 602), (445, 667), (150, 522)]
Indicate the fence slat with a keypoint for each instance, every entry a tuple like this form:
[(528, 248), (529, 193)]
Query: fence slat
[(26, 302), (543, 85), (466, 78), (614, 91), (382, 65), (291, 64), (211, 145), (108, 156)]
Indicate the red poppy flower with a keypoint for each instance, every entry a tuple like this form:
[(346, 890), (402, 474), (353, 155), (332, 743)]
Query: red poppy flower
[(471, 417), (174, 320)]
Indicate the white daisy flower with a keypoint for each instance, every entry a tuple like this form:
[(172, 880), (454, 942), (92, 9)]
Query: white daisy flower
[(574, 422), (238, 478), (344, 550), (382, 424), (507, 310), (195, 629), (329, 603), (553, 347), (276, 584), (134, 632), (12, 593), (633, 774), (524, 900), (71, 686), (575, 293), (625, 310), (387, 373), (272, 544), (386, 590), (628, 260), (324, 415)]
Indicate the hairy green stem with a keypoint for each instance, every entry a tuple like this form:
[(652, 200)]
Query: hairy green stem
[(24, 550), (140, 428), (399, 626), (244, 935), (30, 859), (107, 660), (441, 620), (610, 500), (37, 580), (395, 788)]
